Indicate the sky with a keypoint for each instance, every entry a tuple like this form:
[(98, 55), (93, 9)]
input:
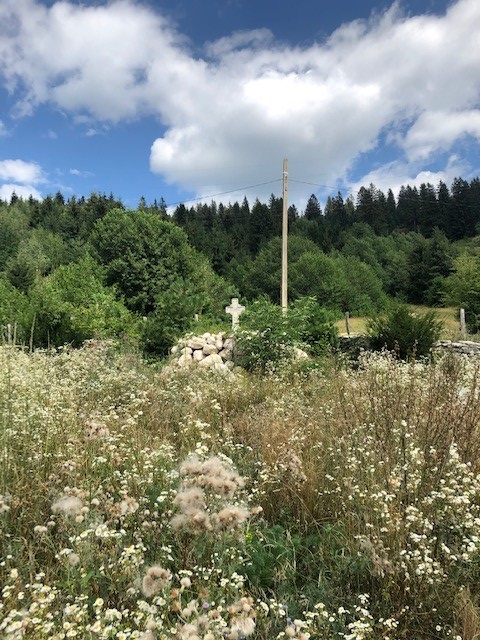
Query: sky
[(203, 99)]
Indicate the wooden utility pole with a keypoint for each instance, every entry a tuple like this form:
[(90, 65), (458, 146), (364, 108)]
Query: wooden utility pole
[(285, 238)]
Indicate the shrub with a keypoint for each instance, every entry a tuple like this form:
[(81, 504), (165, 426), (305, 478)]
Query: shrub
[(269, 337), (406, 333)]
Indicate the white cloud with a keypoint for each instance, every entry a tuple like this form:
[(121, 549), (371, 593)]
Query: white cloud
[(439, 130), (20, 171), (231, 118), (80, 174), (394, 175), (21, 190), (3, 129)]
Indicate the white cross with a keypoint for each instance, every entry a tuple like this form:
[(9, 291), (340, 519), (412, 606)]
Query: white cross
[(235, 310)]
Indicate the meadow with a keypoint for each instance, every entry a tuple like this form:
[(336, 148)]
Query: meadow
[(323, 502), (447, 315)]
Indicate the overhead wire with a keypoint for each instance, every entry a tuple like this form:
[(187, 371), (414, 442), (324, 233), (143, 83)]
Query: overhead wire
[(223, 193)]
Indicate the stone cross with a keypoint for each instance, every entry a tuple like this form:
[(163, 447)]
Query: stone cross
[(235, 310)]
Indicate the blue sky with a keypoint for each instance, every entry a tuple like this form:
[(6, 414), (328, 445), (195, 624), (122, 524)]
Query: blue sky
[(185, 99)]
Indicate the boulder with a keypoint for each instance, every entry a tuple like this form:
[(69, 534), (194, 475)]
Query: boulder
[(196, 343), (185, 360), (198, 355), (211, 360), (210, 349)]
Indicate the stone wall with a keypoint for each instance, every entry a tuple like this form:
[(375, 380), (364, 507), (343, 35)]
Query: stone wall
[(463, 347)]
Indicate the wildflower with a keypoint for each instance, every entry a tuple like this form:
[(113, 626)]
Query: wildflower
[(68, 506), (230, 517), (155, 580), (4, 506), (40, 529), (149, 631), (96, 430), (73, 559), (192, 498), (127, 505)]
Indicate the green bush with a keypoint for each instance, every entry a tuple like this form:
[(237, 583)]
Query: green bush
[(268, 337), (406, 333), (72, 305)]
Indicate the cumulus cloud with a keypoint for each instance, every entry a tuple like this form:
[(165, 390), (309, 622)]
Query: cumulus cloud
[(20, 171), (394, 175), (21, 190), (229, 118), (20, 177)]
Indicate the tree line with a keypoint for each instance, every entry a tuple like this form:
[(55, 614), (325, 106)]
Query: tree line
[(76, 268)]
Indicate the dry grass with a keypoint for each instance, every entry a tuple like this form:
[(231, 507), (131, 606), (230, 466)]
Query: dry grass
[(448, 316), (368, 481)]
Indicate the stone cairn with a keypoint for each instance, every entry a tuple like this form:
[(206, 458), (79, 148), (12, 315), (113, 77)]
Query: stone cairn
[(210, 350)]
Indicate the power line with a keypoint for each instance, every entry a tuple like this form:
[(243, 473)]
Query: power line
[(223, 193), (314, 184)]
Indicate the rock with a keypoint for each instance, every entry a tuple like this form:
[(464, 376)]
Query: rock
[(196, 343), (298, 354), (185, 360), (213, 351), (210, 349), (211, 360), (229, 343)]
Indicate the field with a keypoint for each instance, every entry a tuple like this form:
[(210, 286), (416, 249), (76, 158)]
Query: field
[(318, 502), (448, 315)]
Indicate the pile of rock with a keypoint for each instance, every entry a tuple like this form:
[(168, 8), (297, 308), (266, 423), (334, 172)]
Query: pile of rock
[(210, 350)]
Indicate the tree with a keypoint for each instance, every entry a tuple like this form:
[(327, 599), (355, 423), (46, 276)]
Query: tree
[(408, 209), (261, 226), (143, 255), (336, 220), (428, 212), (429, 262), (262, 276), (462, 288), (313, 210), (372, 208), (72, 305), (464, 211)]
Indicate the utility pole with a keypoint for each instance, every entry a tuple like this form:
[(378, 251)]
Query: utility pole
[(285, 237)]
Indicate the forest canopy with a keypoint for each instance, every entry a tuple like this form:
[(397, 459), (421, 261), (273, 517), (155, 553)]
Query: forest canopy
[(76, 268)]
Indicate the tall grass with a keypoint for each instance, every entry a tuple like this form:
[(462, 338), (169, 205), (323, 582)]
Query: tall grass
[(326, 503)]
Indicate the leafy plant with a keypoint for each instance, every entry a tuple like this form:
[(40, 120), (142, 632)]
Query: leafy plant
[(269, 337), (406, 333)]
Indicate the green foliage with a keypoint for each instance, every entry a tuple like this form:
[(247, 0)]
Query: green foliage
[(462, 289), (143, 255), (313, 324), (15, 310), (72, 305), (268, 337), (406, 333), (173, 316), (38, 253), (337, 282)]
